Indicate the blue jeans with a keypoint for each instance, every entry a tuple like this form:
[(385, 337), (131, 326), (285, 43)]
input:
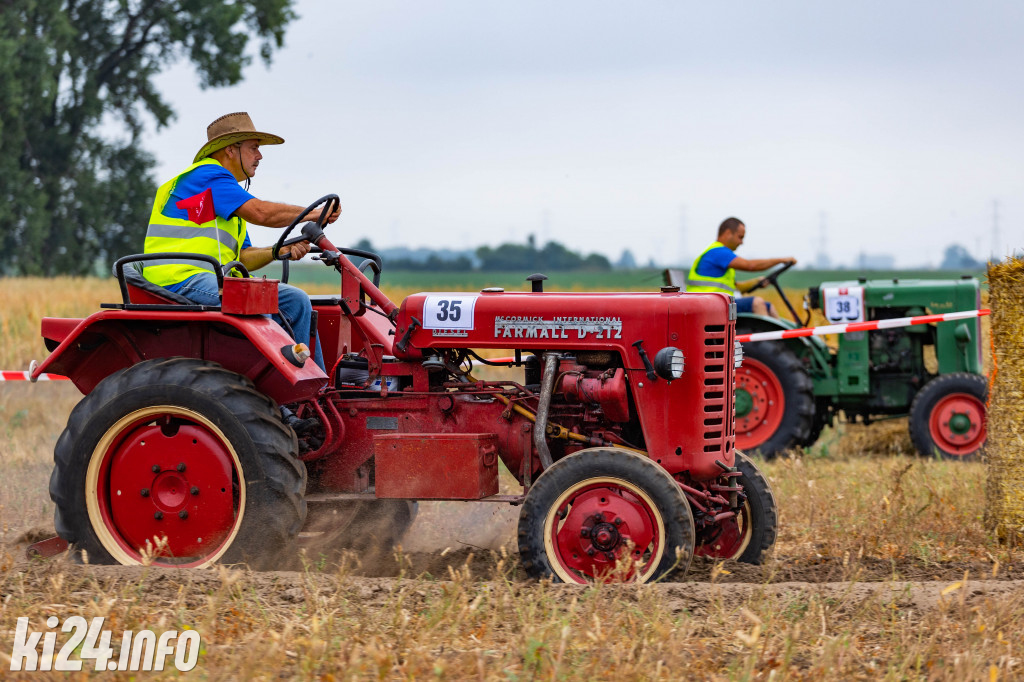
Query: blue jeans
[(292, 302), (745, 304)]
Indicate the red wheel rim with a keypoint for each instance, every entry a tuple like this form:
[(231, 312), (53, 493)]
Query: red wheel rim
[(162, 485), (733, 538), (957, 424), (604, 529), (766, 407)]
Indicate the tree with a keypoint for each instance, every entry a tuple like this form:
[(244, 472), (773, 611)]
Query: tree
[(957, 257), (626, 260), (553, 257), (69, 194)]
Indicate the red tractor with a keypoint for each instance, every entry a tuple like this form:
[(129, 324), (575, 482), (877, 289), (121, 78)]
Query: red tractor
[(617, 420)]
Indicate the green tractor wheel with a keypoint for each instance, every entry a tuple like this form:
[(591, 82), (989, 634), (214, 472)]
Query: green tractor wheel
[(947, 417)]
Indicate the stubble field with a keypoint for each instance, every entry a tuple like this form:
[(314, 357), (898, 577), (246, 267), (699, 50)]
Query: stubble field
[(882, 570)]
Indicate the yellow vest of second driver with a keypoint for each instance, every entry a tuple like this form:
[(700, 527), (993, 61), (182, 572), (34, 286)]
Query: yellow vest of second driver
[(726, 284), (222, 239)]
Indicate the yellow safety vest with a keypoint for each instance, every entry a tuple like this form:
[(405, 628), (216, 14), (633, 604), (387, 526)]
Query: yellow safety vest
[(222, 239), (726, 284)]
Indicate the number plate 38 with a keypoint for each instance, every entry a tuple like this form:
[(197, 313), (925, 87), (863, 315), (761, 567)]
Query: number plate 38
[(843, 304)]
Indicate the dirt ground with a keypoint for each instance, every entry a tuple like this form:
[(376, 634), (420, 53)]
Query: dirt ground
[(906, 584), (477, 537)]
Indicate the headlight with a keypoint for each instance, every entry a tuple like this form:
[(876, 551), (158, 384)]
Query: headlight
[(737, 355), (668, 363)]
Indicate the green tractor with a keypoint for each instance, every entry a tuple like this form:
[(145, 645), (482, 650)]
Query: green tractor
[(787, 391)]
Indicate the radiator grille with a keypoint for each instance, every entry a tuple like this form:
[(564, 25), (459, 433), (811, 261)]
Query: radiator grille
[(719, 386)]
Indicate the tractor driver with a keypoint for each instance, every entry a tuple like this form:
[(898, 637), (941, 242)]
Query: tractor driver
[(715, 269), (203, 210)]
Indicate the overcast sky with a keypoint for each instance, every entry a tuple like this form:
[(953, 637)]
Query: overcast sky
[(642, 125)]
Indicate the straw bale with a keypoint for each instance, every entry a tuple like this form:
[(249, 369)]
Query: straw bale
[(888, 437), (1004, 513)]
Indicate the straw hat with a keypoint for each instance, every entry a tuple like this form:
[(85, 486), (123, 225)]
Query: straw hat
[(230, 129)]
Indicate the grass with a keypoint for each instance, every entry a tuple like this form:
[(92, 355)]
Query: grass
[(860, 518)]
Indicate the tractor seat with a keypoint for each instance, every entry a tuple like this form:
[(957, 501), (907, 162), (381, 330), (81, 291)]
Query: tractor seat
[(134, 279)]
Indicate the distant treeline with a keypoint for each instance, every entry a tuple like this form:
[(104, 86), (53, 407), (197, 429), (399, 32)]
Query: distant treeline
[(552, 257)]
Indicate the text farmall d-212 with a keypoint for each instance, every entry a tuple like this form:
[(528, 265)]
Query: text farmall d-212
[(788, 390), (618, 424)]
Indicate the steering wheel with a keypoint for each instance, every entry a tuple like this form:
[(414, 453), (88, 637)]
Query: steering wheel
[(772, 277), (311, 230)]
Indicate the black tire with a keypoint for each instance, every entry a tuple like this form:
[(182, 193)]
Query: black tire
[(772, 432), (611, 481), (749, 535), (821, 419), (762, 510), (931, 430), (252, 516)]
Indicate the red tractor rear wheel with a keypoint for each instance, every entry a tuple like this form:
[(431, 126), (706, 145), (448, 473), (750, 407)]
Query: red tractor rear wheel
[(947, 417), (180, 462), (602, 514)]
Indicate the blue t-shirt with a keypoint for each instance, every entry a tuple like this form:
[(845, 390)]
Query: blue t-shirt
[(715, 262), (228, 196)]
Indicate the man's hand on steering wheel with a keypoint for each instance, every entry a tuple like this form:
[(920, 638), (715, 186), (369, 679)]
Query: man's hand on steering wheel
[(313, 230), (297, 250), (334, 215), (773, 276)]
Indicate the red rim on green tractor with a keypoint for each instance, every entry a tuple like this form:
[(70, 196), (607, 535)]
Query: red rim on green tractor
[(957, 424), (164, 482), (760, 404), (601, 526)]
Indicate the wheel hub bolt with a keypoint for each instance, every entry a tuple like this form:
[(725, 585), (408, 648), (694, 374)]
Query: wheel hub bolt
[(599, 517), (156, 468), (584, 532), (144, 492), (610, 556), (590, 551), (158, 516), (183, 514), (618, 521), (195, 490), (181, 466)]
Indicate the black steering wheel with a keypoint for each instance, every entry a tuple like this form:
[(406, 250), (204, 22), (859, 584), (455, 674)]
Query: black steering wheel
[(772, 277), (311, 230)]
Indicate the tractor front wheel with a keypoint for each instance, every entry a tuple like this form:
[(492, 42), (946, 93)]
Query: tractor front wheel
[(605, 514), (774, 399), (178, 462), (749, 535), (947, 417)]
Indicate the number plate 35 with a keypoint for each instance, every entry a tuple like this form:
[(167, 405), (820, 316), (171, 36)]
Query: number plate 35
[(449, 311)]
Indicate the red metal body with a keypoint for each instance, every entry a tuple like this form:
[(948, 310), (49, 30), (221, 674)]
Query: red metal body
[(412, 421), (459, 466), (688, 423), (89, 350), (249, 296)]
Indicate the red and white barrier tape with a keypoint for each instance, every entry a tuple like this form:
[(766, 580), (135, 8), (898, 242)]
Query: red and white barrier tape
[(27, 376), (861, 326)]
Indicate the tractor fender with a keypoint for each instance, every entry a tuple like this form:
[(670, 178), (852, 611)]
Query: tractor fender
[(87, 351)]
